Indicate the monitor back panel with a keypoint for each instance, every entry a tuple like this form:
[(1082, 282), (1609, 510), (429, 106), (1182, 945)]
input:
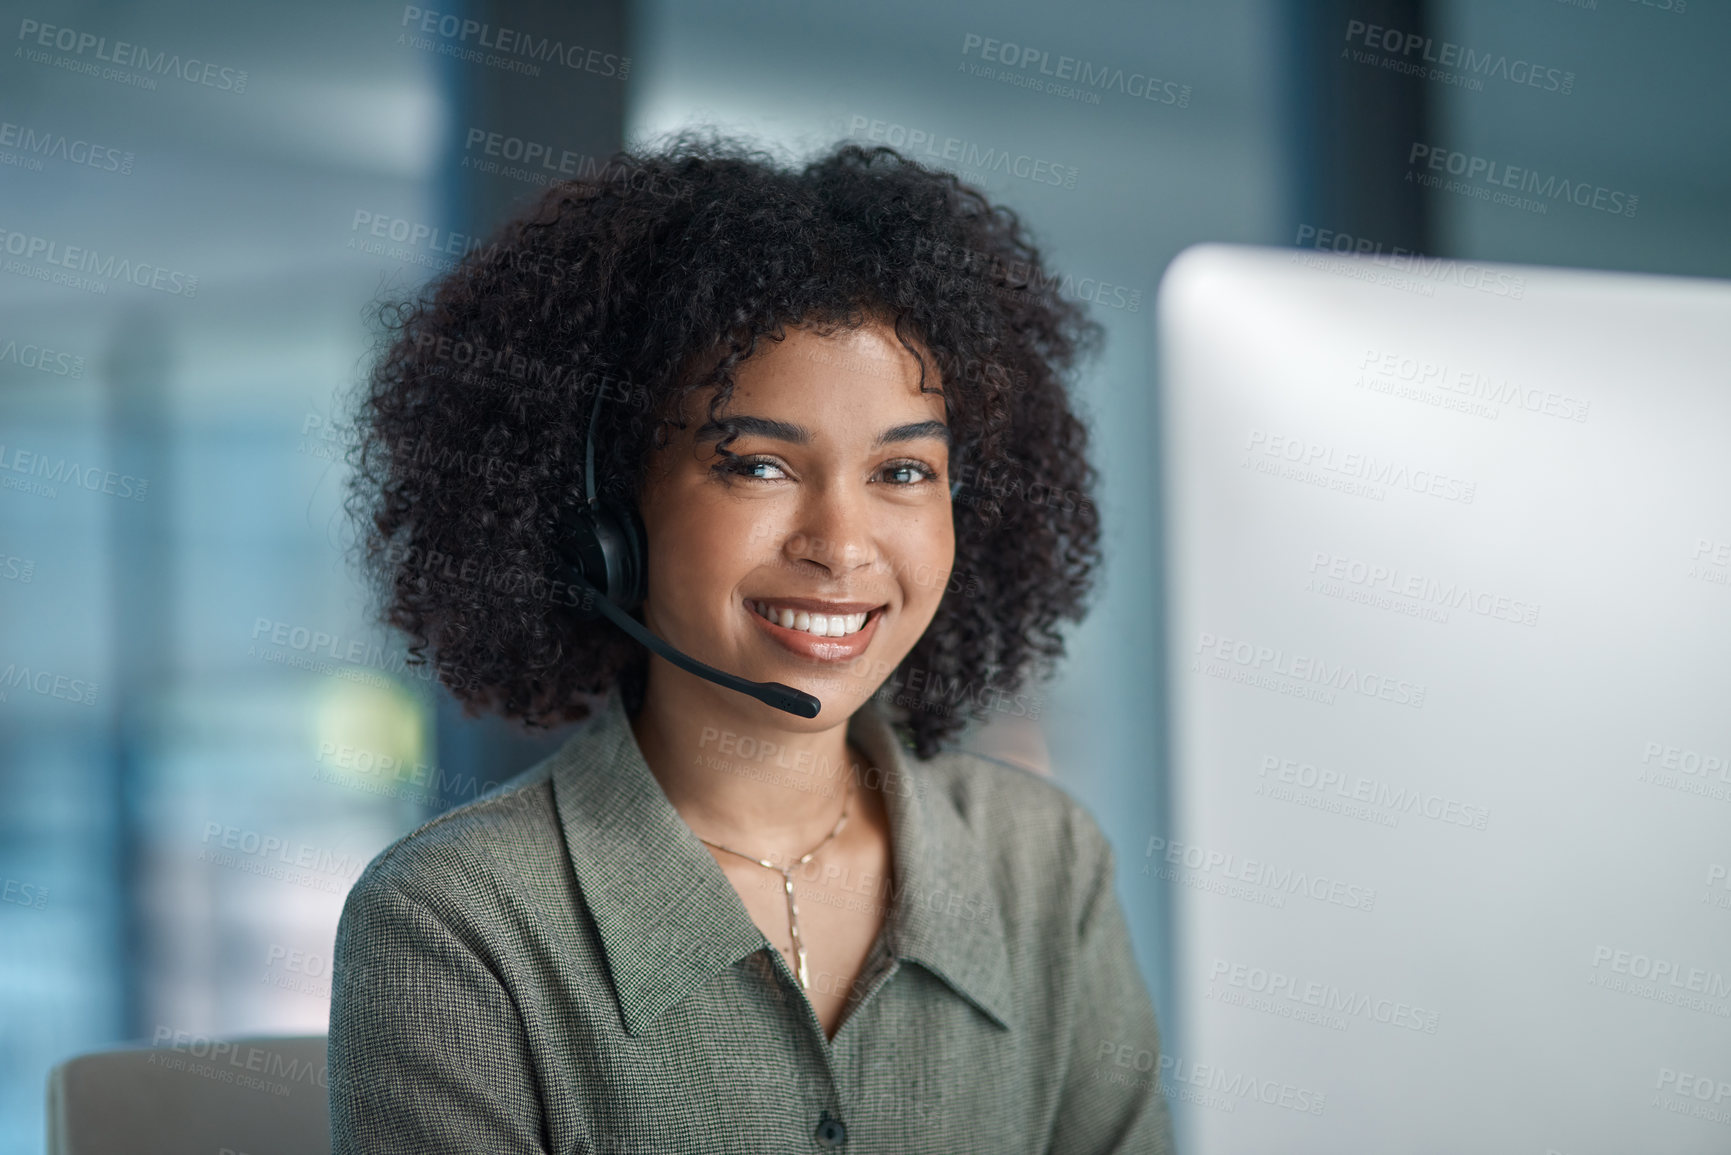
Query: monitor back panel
[(1450, 633)]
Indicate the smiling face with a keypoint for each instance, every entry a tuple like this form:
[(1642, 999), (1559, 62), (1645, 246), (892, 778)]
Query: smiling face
[(819, 555)]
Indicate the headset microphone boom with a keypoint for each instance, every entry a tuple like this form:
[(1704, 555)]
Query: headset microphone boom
[(606, 550)]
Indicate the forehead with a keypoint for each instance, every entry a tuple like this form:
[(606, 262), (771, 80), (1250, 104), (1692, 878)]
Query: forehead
[(859, 372)]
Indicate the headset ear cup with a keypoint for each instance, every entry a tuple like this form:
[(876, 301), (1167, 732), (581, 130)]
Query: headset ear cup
[(607, 546), (632, 560), (580, 546)]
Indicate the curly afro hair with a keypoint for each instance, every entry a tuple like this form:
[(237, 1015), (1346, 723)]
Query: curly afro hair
[(656, 276)]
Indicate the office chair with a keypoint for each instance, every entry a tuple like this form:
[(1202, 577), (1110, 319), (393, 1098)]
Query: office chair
[(244, 1096)]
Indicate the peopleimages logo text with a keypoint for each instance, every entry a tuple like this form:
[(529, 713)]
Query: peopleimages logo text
[(515, 42), (1099, 77), (59, 146), (1490, 172), (1448, 56), (127, 55), (1415, 265), (965, 154), (29, 247), (1256, 872)]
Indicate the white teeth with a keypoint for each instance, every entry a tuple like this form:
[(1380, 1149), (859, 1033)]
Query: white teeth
[(818, 625)]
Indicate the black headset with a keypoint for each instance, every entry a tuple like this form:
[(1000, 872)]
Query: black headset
[(606, 551), (604, 541)]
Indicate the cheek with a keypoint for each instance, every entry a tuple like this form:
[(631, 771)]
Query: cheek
[(928, 552), (694, 556)]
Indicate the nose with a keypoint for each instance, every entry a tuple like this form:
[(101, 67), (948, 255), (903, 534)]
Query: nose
[(834, 531)]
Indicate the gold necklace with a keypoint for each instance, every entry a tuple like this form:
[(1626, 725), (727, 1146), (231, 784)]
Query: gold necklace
[(787, 880)]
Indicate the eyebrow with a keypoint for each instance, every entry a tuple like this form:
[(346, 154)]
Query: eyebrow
[(799, 435)]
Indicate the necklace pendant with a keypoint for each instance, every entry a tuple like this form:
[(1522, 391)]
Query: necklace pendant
[(786, 872)]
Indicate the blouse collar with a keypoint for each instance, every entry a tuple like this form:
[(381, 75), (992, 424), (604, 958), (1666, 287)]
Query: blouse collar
[(669, 920)]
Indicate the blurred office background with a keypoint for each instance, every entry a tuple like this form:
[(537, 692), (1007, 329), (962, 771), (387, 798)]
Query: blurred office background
[(195, 711)]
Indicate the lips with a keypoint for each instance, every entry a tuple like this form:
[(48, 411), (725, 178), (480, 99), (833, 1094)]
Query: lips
[(806, 644), (817, 624), (814, 606)]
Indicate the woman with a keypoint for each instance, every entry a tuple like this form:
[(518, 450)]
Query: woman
[(706, 923)]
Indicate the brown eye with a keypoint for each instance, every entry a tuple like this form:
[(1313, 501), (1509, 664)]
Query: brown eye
[(747, 466), (922, 471)]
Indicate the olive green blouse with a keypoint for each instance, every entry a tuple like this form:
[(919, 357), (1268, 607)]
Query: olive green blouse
[(561, 966)]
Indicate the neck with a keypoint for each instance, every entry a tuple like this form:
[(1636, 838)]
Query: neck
[(735, 774)]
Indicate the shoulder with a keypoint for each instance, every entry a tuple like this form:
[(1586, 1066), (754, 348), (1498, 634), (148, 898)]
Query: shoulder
[(1041, 844), (1005, 804), (506, 840)]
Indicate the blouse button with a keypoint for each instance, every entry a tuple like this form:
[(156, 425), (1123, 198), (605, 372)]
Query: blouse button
[(830, 1132)]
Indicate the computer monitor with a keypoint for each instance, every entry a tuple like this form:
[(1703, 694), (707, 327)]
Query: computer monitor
[(1450, 632)]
